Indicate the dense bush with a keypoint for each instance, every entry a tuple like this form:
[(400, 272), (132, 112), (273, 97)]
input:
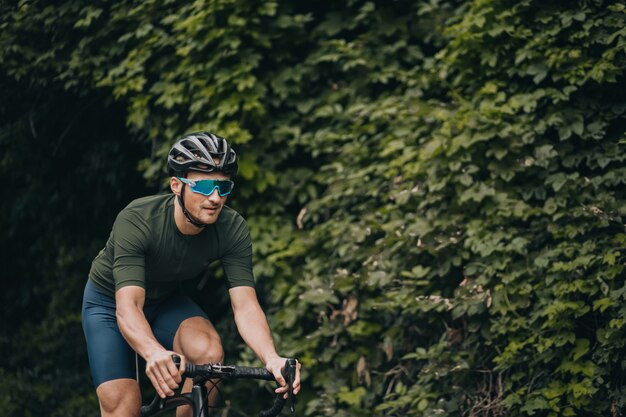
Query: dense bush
[(435, 188)]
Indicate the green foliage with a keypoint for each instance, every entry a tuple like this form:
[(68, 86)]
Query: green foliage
[(435, 188)]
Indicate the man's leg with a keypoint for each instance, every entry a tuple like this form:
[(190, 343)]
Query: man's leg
[(111, 360), (119, 398), (180, 325), (199, 342)]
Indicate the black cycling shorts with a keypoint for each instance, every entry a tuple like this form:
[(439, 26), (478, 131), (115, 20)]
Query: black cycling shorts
[(110, 356)]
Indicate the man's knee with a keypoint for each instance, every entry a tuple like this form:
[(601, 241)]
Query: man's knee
[(204, 349), (199, 342), (120, 397)]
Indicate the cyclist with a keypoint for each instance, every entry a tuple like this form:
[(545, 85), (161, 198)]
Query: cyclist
[(131, 301)]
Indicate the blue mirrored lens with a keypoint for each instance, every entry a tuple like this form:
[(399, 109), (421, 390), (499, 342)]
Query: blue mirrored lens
[(207, 187)]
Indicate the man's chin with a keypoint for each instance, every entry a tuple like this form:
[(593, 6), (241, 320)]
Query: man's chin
[(210, 216)]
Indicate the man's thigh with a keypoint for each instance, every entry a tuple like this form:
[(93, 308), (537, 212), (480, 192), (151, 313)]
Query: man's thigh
[(110, 356)]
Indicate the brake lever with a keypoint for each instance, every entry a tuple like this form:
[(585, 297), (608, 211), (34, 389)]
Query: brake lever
[(290, 375)]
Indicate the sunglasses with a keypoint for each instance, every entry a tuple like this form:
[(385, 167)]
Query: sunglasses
[(206, 187)]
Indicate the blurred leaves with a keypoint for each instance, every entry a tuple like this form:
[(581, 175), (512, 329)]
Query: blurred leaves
[(434, 188)]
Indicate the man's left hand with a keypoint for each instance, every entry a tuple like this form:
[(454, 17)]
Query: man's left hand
[(275, 366)]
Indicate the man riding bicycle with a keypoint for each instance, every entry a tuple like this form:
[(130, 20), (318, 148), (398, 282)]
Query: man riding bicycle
[(132, 301)]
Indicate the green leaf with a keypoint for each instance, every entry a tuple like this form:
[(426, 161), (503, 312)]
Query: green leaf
[(351, 397)]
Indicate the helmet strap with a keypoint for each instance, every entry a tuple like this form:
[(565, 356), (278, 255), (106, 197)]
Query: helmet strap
[(191, 219)]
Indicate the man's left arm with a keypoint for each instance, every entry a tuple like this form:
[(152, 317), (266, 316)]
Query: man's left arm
[(252, 325)]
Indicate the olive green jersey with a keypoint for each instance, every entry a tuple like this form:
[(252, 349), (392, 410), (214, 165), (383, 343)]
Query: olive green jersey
[(146, 249)]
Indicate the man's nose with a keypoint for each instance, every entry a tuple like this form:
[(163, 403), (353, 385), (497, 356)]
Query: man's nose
[(214, 197)]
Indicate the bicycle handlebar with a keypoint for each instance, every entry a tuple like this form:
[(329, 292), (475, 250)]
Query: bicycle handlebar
[(210, 371), (202, 373)]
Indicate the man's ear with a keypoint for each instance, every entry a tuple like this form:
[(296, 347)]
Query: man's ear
[(175, 185)]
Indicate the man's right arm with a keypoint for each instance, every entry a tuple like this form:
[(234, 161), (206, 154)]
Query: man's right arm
[(132, 322)]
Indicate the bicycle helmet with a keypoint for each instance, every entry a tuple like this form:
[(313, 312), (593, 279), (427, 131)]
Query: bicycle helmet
[(203, 152)]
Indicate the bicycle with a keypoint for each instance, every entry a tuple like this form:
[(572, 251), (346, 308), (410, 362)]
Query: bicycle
[(197, 398)]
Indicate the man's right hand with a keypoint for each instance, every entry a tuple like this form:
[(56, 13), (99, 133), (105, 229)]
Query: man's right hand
[(162, 371)]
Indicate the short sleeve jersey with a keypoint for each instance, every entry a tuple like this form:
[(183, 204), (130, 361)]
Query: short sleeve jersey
[(147, 249)]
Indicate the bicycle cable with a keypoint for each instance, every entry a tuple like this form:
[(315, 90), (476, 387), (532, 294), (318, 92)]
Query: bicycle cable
[(206, 403)]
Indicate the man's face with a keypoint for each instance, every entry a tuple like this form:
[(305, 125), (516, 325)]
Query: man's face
[(204, 208)]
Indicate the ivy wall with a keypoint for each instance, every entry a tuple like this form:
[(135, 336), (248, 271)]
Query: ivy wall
[(435, 189)]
